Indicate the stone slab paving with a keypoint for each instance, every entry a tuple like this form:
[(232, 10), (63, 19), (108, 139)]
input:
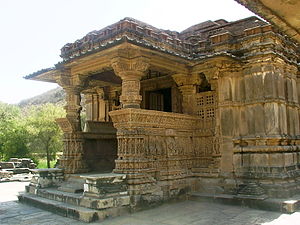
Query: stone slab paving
[(182, 213)]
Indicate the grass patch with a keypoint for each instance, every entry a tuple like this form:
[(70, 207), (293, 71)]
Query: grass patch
[(43, 164)]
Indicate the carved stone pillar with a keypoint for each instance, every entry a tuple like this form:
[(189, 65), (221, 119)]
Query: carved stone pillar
[(187, 86), (73, 107), (101, 105), (72, 160), (131, 71), (88, 105)]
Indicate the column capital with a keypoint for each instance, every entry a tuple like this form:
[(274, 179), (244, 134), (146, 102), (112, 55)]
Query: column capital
[(183, 79), (131, 71), (130, 68)]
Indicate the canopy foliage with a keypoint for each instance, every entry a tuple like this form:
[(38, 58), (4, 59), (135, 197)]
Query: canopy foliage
[(30, 131)]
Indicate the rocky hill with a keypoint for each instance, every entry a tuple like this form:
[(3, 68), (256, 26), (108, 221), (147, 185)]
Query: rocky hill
[(56, 96)]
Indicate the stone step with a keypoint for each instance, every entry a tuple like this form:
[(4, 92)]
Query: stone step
[(60, 208), (78, 199), (75, 212), (54, 194)]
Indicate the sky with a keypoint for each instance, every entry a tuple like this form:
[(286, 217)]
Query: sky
[(32, 32)]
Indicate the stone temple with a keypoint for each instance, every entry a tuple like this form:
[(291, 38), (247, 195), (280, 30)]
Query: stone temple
[(213, 109)]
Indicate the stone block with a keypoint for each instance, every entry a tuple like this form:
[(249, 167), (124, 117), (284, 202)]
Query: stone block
[(7, 165), (105, 185), (105, 203), (288, 159), (122, 201), (246, 160), (47, 177), (237, 160), (276, 159), (259, 159), (226, 122)]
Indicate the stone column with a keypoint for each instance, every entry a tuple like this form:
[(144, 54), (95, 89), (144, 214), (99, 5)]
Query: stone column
[(88, 105), (73, 107), (72, 160), (187, 86), (101, 105), (131, 71)]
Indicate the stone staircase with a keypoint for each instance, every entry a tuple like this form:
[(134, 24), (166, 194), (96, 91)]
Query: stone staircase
[(83, 197)]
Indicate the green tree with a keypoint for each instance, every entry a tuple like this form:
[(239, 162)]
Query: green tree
[(46, 136), (13, 133)]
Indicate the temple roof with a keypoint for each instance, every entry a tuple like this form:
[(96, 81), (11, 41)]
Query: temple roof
[(196, 42), (177, 42), (283, 14)]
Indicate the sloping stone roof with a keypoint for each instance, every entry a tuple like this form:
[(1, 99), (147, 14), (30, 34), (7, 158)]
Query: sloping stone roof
[(194, 43), (178, 43)]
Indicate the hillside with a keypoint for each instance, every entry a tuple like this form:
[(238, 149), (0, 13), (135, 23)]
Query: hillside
[(56, 96)]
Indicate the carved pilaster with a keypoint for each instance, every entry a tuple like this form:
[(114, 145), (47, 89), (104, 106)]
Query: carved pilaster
[(131, 71)]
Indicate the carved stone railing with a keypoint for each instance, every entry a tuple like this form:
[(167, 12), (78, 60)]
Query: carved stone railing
[(162, 143)]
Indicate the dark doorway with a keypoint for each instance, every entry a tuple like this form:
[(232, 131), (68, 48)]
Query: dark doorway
[(160, 100)]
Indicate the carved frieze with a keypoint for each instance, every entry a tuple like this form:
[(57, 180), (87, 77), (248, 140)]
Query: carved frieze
[(163, 141)]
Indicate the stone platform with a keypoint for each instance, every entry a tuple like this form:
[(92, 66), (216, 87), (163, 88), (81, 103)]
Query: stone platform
[(87, 197)]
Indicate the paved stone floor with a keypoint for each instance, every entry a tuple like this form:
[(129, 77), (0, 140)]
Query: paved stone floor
[(182, 213)]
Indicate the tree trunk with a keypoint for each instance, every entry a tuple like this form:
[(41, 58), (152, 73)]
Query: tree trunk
[(48, 154)]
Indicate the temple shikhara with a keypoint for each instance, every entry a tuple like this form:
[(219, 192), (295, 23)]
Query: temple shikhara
[(213, 109)]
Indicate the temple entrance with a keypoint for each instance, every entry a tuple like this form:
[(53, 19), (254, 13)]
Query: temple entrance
[(100, 146), (159, 100)]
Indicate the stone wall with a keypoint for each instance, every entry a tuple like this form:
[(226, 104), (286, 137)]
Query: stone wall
[(259, 113)]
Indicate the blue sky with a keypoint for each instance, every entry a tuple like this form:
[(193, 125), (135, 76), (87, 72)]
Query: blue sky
[(33, 31)]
